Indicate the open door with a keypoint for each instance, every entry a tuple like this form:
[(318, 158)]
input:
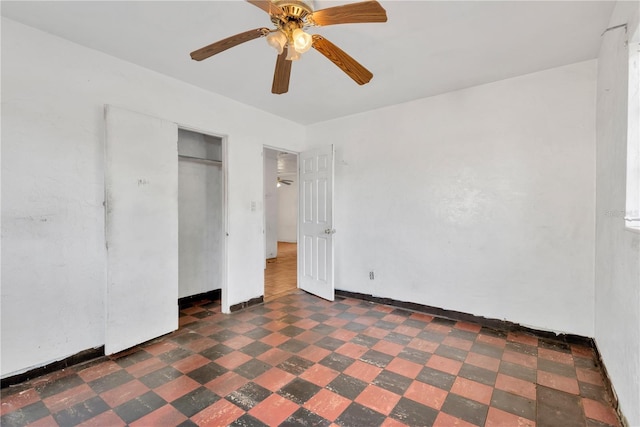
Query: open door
[(315, 240), (141, 191)]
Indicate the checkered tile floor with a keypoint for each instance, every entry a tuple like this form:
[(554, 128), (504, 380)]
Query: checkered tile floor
[(300, 360)]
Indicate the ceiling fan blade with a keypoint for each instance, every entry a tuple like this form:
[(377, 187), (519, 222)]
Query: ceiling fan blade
[(282, 74), (268, 6), (346, 63), (354, 13), (227, 43)]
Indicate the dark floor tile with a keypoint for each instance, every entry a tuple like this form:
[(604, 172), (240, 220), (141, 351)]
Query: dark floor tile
[(81, 412), (355, 327), (518, 371), (206, 373), (139, 407), (252, 369), (187, 423), (557, 368), (299, 391), (25, 415), (443, 321), (174, 355), (132, 359), (451, 353), (431, 336), (413, 355), (585, 362), (347, 316), (387, 326), (436, 378), (195, 401), (415, 323), (293, 345), (223, 335), (329, 343), (337, 362), (110, 381), (376, 358), (340, 306), (305, 418), (61, 384), (319, 317), (464, 334), (248, 396), (487, 350), (216, 351), (401, 312), (347, 386), (521, 348), (260, 320), (290, 318), (413, 413), (247, 421), (365, 340), (556, 405), (160, 377), (203, 314), (358, 415), (228, 322), (398, 338), (556, 345), (465, 409), (255, 348), (374, 313), (593, 392), (295, 365), (393, 382), (323, 329), (475, 373), (291, 331), (514, 404), (257, 333)]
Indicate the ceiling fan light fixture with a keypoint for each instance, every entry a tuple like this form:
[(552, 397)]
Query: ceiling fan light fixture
[(277, 40), (301, 41), (292, 54)]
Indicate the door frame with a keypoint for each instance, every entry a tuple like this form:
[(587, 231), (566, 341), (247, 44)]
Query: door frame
[(224, 293), (264, 216)]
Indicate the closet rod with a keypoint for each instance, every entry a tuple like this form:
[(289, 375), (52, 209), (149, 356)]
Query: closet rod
[(198, 159)]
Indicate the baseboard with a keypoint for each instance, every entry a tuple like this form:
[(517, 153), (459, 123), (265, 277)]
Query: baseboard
[(214, 295), (245, 304), (75, 359), (496, 324)]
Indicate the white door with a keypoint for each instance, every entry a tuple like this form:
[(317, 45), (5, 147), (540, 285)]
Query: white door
[(141, 190), (315, 240)]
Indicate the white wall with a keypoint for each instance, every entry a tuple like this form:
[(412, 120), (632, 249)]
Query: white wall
[(617, 263), (270, 203), (288, 210), (480, 200), (200, 216), (53, 258)]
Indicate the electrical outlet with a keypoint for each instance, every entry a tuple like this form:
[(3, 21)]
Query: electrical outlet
[(371, 275)]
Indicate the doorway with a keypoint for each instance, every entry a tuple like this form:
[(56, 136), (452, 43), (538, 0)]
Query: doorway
[(280, 223)]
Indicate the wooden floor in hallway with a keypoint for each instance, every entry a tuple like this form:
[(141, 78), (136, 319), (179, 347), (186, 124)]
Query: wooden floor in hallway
[(280, 276)]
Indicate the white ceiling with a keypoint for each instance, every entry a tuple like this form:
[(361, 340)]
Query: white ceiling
[(425, 48)]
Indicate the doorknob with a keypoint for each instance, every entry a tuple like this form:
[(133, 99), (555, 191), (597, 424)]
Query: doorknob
[(330, 231)]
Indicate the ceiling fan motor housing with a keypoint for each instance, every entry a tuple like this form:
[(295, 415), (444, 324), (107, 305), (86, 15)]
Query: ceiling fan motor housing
[(296, 9)]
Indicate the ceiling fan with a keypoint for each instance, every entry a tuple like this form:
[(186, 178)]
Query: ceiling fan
[(289, 38), (284, 181)]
